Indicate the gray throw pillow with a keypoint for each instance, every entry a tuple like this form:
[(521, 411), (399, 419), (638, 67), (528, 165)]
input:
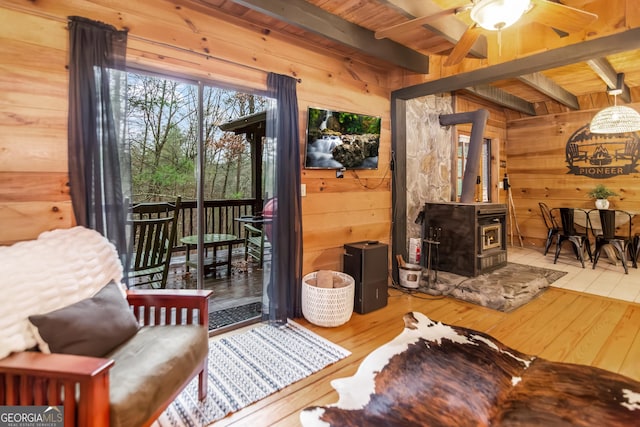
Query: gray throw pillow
[(91, 327)]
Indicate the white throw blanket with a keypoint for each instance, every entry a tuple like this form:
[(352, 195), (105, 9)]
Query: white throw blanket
[(57, 269)]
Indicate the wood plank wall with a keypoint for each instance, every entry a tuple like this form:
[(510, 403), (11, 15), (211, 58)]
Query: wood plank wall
[(538, 172), (532, 153), (34, 194)]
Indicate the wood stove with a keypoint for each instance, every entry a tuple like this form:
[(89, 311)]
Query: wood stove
[(472, 236)]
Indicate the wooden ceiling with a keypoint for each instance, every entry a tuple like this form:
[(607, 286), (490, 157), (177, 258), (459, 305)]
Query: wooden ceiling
[(539, 70)]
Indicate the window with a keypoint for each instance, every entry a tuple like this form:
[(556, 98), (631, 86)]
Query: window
[(483, 181), (163, 128)]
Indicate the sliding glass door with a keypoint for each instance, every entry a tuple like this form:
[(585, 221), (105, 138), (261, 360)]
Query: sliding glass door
[(201, 143)]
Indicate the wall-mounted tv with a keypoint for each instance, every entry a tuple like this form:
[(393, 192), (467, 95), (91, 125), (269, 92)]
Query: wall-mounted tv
[(341, 140)]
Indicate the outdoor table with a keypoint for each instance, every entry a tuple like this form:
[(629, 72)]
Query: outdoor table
[(257, 221), (210, 240)]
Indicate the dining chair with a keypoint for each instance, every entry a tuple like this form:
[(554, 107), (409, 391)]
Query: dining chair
[(550, 222), (568, 232), (615, 231), (154, 228)]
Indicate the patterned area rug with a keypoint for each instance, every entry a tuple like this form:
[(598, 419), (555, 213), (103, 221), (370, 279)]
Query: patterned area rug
[(504, 289), (232, 315), (249, 366)]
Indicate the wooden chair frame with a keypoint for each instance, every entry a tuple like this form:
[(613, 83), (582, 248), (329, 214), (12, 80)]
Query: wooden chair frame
[(254, 243), (154, 230), (32, 378)]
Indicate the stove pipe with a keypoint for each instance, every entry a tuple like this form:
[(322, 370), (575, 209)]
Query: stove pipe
[(478, 120)]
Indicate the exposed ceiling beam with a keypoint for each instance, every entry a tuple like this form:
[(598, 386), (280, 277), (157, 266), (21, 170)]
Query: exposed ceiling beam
[(500, 97), (321, 22), (403, 27), (448, 27), (603, 68), (541, 83), (589, 49)]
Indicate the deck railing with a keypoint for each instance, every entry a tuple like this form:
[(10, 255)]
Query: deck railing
[(219, 218)]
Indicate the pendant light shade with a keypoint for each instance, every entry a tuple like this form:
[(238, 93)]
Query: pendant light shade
[(616, 119)]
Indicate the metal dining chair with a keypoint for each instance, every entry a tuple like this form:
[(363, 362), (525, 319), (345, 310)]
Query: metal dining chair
[(615, 231), (550, 222), (569, 232)]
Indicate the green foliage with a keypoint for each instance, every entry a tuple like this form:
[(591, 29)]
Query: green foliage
[(350, 123), (315, 117), (167, 176), (162, 130), (358, 124), (601, 192)]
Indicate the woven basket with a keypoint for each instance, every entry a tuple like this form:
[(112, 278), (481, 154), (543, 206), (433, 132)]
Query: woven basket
[(327, 306)]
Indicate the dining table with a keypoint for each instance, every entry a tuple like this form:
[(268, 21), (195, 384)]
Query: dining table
[(213, 240)]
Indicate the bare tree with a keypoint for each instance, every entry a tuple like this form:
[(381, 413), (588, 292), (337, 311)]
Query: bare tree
[(158, 109), (164, 132)]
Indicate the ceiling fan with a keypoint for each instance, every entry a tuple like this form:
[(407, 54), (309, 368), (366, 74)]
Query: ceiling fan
[(496, 15)]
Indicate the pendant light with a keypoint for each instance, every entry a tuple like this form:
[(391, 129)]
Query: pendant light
[(616, 119)]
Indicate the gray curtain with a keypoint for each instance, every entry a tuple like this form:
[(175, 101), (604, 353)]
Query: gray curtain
[(282, 187), (99, 171)]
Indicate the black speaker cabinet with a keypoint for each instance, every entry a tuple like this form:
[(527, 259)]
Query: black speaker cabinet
[(367, 263)]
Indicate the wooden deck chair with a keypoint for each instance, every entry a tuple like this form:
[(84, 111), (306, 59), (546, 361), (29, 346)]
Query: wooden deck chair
[(154, 233), (254, 243)]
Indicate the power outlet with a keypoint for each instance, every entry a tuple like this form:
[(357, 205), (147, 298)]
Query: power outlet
[(303, 190)]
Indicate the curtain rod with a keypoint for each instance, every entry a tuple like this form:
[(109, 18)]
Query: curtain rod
[(206, 55), (39, 13)]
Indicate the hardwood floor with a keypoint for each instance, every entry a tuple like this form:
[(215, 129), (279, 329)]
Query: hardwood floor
[(560, 325)]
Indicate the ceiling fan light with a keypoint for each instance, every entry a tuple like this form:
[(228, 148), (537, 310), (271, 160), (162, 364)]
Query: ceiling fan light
[(496, 15), (616, 119)]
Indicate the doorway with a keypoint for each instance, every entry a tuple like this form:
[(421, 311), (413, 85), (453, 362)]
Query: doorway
[(203, 143), (483, 179)]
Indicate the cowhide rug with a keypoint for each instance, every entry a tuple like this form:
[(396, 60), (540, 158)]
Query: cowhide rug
[(434, 374)]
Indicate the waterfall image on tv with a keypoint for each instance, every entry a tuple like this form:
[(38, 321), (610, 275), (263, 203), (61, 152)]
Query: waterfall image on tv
[(341, 140)]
